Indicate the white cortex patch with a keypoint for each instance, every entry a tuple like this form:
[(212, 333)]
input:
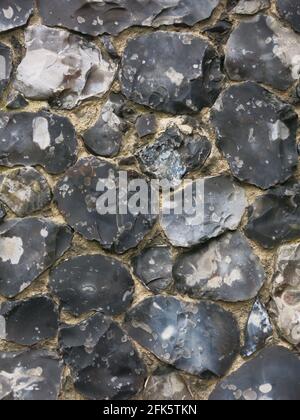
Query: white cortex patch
[(41, 135), (11, 249)]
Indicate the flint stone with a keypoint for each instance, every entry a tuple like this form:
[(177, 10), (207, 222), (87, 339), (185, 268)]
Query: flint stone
[(256, 132), (224, 269), (154, 74), (28, 322), (96, 18), (16, 101), (2, 212), (5, 65), (258, 330), (219, 32), (153, 267), (251, 7), (24, 191), (173, 155), (285, 304), (166, 385), (106, 136), (272, 376), (79, 197), (28, 247), (104, 362), (92, 283), (15, 13), (219, 206), (268, 212), (200, 339), (146, 125), (68, 69), (33, 375), (290, 11), (40, 138), (261, 49)]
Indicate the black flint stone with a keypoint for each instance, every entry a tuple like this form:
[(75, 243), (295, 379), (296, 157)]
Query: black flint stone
[(38, 138), (272, 375), (258, 330), (290, 11), (146, 125), (33, 375), (201, 339), (5, 65), (28, 247), (274, 218), (154, 74), (92, 283), (2, 212), (77, 196), (104, 362), (15, 13), (29, 321), (256, 132)]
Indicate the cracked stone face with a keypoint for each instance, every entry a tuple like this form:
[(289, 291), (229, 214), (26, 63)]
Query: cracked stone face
[(29, 321), (63, 68), (285, 304), (106, 136), (261, 49), (173, 155), (41, 138), (14, 13), (166, 385), (99, 17), (258, 330), (265, 224), (28, 247), (104, 362), (256, 132), (218, 206), (146, 125), (153, 267), (200, 339), (24, 191), (290, 11), (80, 198), (272, 376), (251, 7), (154, 74), (224, 269), (92, 283), (33, 375), (5, 64), (2, 212)]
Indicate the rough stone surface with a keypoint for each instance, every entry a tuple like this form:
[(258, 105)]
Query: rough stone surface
[(166, 385), (24, 191), (77, 196), (2, 212), (219, 207), (32, 375), (40, 138), (92, 283), (285, 304), (272, 376), (263, 50), (173, 155), (106, 136), (67, 68), (95, 18), (104, 362), (251, 7), (268, 212), (256, 132), (29, 321), (258, 330), (154, 74), (28, 247), (146, 125), (290, 11), (14, 13), (16, 101), (201, 339), (153, 267), (224, 269), (5, 65)]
